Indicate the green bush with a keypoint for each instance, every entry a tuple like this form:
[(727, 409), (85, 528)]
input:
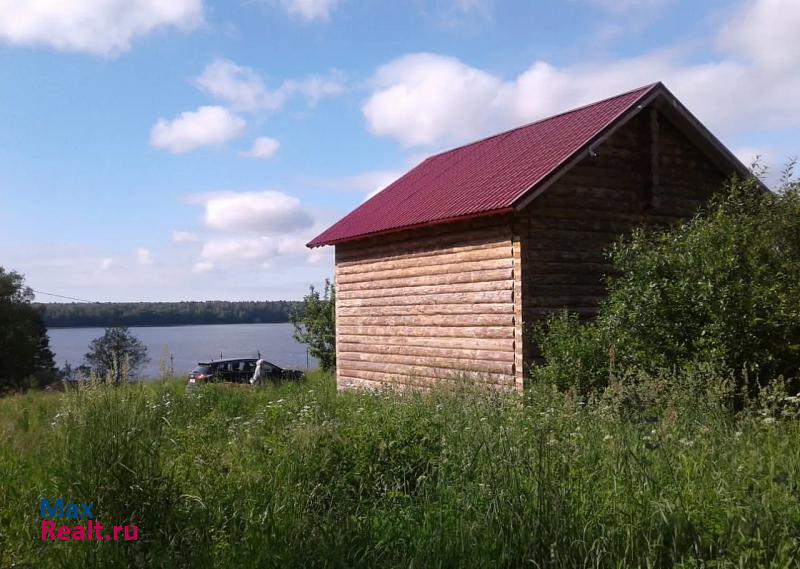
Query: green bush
[(721, 290)]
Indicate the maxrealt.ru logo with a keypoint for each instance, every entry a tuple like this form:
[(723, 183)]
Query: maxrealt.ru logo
[(88, 530)]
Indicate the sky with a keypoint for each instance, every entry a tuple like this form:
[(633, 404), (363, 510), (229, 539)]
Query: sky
[(187, 150)]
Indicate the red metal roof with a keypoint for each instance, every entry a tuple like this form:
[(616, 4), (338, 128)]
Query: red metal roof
[(484, 177)]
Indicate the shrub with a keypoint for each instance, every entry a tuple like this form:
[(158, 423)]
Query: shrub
[(315, 325), (720, 290)]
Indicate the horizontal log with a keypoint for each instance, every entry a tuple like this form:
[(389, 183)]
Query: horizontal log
[(495, 344), (418, 243), (464, 308), (429, 321), (424, 351), (377, 381), (428, 331), (458, 364), (453, 278), (543, 268), (565, 279), (538, 313), (443, 267), (348, 367), (540, 290), (481, 252), (419, 293), (536, 256), (558, 302), (426, 300)]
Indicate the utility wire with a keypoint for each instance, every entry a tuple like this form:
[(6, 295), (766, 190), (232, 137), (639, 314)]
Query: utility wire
[(66, 297)]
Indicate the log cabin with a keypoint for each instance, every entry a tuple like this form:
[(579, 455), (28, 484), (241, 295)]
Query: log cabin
[(442, 274)]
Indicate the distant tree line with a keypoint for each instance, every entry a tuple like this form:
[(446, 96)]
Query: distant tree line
[(104, 314)]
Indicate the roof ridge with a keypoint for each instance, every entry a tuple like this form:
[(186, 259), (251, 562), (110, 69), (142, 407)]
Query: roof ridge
[(643, 88)]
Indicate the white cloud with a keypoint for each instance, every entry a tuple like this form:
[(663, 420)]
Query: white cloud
[(203, 267), (98, 27), (263, 148), (247, 249), (108, 263), (309, 10), (144, 257), (185, 237), (422, 98), (766, 33), (245, 90), (425, 99), (267, 212), (207, 126), (263, 250), (627, 6), (370, 182)]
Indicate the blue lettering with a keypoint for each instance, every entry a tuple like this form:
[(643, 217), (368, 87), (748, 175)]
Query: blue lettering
[(87, 510), (48, 511), (58, 510)]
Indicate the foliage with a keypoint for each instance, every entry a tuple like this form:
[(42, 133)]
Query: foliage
[(117, 354), (95, 314), (720, 290), (300, 476), (25, 356), (315, 325)]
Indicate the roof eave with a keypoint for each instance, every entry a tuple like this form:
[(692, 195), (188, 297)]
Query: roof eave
[(489, 213)]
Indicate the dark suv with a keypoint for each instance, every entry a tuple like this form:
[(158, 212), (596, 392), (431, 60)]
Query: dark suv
[(238, 370)]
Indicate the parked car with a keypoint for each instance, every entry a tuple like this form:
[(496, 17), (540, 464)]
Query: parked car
[(238, 370)]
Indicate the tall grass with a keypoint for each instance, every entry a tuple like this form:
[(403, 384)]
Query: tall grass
[(651, 474)]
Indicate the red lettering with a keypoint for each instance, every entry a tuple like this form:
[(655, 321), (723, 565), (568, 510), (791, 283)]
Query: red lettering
[(134, 534), (117, 529), (78, 533), (48, 530), (97, 528), (63, 533)]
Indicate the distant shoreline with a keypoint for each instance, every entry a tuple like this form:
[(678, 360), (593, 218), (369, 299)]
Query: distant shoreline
[(155, 314), (164, 325)]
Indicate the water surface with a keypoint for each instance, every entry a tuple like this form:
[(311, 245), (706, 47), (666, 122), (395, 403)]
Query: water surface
[(188, 345)]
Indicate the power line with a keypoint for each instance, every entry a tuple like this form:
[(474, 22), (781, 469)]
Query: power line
[(66, 297)]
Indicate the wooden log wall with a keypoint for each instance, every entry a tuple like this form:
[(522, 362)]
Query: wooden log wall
[(429, 305), (646, 173)]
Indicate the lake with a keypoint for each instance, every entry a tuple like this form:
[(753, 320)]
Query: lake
[(190, 344)]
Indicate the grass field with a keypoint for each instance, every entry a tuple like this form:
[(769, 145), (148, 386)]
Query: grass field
[(298, 476)]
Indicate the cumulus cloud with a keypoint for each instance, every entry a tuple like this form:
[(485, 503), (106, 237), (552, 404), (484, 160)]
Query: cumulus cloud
[(627, 6), (421, 98), (425, 99), (245, 90), (267, 212), (309, 10), (98, 27), (203, 267), (185, 237), (207, 126), (108, 264), (144, 257), (262, 250), (263, 148), (765, 32)]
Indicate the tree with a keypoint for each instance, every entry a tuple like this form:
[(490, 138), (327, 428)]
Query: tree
[(25, 356), (721, 291), (117, 354), (315, 325)]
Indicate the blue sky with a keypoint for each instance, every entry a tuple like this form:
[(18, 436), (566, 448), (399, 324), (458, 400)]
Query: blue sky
[(188, 149)]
